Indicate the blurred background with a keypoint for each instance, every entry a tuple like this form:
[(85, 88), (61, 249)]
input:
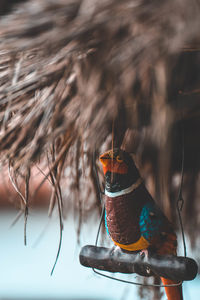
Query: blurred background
[(78, 77)]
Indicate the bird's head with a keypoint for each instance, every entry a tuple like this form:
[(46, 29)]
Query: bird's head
[(119, 169)]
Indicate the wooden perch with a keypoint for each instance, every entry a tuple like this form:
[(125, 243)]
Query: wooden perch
[(177, 268)]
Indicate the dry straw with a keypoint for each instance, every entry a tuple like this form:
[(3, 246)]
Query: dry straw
[(69, 68)]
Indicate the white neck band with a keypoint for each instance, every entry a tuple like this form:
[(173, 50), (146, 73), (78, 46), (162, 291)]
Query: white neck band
[(125, 191)]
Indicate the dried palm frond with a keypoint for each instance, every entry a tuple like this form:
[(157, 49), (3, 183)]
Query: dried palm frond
[(71, 72)]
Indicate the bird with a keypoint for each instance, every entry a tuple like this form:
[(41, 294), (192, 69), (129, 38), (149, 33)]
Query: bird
[(133, 220)]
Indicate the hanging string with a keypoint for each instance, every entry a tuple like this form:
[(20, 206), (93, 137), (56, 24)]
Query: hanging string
[(180, 200), (113, 133)]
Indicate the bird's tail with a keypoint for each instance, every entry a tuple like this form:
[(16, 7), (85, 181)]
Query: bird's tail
[(172, 292)]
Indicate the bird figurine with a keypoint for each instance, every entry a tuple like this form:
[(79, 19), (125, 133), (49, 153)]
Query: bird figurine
[(133, 220)]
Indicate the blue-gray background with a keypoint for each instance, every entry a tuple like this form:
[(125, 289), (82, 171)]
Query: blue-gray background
[(25, 270)]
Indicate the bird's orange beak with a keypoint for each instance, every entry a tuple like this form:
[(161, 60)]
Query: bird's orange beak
[(109, 164), (104, 159)]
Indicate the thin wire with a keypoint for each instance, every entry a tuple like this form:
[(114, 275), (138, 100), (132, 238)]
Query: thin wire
[(96, 244), (180, 200), (112, 160), (99, 227), (26, 212), (137, 283)]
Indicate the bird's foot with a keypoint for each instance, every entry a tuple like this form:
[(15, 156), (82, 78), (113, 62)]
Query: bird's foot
[(114, 249), (144, 253)]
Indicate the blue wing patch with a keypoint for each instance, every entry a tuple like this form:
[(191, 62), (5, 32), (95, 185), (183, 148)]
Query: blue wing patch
[(106, 225), (151, 221)]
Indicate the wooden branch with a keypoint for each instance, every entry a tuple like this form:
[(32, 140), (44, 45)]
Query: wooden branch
[(177, 268)]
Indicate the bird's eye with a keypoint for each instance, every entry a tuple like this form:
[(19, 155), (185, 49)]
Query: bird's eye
[(118, 158)]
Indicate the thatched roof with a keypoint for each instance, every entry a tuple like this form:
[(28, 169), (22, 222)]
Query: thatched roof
[(74, 74)]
